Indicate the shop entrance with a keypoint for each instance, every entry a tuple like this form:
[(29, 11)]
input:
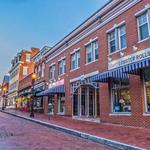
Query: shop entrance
[(86, 102)]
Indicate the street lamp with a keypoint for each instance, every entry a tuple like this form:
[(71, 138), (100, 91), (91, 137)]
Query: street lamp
[(4, 92), (34, 76)]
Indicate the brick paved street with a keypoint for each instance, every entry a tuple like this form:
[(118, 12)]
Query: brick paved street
[(18, 134)]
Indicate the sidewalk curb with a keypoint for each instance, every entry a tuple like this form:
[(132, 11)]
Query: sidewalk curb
[(83, 135)]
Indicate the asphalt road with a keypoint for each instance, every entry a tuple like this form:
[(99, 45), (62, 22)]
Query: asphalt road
[(19, 134)]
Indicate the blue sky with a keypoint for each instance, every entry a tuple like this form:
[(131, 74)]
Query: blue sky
[(35, 23)]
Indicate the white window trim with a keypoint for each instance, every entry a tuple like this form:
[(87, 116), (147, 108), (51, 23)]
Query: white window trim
[(147, 11), (61, 59), (120, 114), (77, 63), (92, 51), (25, 67), (62, 62), (52, 78), (75, 50), (91, 40), (117, 38), (143, 10)]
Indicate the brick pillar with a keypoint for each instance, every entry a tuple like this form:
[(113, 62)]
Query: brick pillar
[(104, 101), (55, 104), (68, 100), (137, 99), (45, 104)]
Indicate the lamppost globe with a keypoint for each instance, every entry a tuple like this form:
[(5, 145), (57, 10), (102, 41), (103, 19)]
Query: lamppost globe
[(34, 76)]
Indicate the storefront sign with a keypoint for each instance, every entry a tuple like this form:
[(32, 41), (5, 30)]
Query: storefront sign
[(57, 83), (140, 55)]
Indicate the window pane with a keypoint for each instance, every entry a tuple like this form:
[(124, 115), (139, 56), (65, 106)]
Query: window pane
[(142, 19), (144, 31), (88, 53), (121, 100), (95, 49), (122, 34), (112, 46), (112, 42), (123, 41)]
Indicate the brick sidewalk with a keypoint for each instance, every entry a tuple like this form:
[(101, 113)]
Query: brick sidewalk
[(134, 136)]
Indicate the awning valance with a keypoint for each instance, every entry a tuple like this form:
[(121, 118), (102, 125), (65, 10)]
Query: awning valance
[(122, 72), (53, 90), (105, 76)]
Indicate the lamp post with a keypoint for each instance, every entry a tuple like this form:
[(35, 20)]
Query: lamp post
[(34, 76), (4, 92)]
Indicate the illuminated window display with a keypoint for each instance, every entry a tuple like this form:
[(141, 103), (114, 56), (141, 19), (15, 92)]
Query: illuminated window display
[(147, 89), (120, 96)]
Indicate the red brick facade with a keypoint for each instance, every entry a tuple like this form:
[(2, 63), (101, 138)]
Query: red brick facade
[(136, 85)]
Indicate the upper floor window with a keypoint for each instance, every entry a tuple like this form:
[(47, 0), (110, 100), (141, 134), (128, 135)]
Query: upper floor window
[(117, 39), (27, 57), (25, 71), (75, 60), (143, 26), (62, 67), (39, 71), (92, 52), (52, 72), (43, 68)]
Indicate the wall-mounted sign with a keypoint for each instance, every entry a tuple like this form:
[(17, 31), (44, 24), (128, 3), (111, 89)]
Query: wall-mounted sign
[(57, 83), (140, 55)]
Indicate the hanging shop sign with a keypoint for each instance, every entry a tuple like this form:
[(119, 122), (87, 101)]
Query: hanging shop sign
[(138, 56)]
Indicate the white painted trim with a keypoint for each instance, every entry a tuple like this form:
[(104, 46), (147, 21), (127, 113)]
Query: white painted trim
[(85, 76), (91, 74), (147, 6), (74, 69), (85, 24), (52, 64), (146, 114), (134, 2), (75, 50), (120, 114), (91, 62), (116, 26), (90, 41), (62, 58)]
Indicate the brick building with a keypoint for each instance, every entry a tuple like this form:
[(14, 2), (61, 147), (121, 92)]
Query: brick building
[(101, 69), (40, 83), (20, 68)]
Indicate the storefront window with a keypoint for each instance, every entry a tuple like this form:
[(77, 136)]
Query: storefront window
[(147, 89), (120, 96)]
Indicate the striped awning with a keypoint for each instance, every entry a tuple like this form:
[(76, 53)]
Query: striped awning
[(53, 90), (105, 76), (122, 72)]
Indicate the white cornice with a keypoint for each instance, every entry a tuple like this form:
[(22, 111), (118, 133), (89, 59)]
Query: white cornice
[(109, 5), (118, 10)]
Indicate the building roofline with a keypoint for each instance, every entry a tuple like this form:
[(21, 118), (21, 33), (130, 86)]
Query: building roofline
[(79, 27)]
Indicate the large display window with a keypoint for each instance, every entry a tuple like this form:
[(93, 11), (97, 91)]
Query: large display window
[(147, 89), (120, 96)]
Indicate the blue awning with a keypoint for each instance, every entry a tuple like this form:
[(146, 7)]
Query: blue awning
[(53, 90), (122, 72), (105, 76)]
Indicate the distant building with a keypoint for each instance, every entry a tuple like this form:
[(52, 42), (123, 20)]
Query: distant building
[(21, 66), (4, 91)]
